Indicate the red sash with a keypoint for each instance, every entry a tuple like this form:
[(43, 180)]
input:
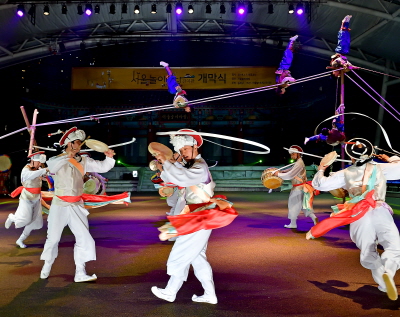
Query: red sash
[(32, 190), (204, 219), (92, 198), (346, 217)]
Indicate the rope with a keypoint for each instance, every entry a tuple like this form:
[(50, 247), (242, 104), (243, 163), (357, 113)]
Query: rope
[(374, 71), (369, 86), (163, 107), (372, 97)]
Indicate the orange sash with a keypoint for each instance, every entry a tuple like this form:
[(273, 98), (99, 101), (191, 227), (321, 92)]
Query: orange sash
[(78, 166)]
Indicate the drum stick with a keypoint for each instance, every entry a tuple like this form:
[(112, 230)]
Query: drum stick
[(32, 140), (285, 166)]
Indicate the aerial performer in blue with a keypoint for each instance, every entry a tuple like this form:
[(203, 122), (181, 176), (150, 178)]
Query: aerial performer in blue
[(174, 88), (339, 59), (283, 76)]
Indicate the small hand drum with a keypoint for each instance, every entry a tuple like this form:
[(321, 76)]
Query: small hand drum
[(97, 146), (269, 180), (329, 158), (339, 193), (5, 163), (166, 191), (156, 148)]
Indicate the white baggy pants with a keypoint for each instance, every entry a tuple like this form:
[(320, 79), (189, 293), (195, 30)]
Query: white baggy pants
[(377, 225), (295, 204), (189, 250), (76, 219), (29, 215)]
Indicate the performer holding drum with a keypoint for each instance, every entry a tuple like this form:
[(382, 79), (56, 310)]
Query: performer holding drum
[(297, 174), (193, 227), (369, 216), (29, 211), (67, 205)]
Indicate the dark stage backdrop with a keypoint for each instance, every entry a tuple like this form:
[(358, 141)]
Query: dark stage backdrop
[(263, 117)]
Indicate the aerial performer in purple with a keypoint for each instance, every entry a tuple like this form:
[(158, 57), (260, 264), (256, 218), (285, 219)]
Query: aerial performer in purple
[(174, 88), (283, 76)]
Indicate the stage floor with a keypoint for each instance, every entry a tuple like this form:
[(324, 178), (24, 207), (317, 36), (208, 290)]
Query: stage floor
[(260, 268)]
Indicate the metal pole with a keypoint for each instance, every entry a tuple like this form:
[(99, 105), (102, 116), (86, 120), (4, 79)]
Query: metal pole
[(32, 140), (383, 94), (341, 118)]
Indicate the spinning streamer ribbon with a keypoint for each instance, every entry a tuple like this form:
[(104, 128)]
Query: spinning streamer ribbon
[(220, 136)]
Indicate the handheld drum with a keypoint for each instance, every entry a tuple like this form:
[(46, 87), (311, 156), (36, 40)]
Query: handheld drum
[(329, 158), (166, 191), (339, 193), (5, 163), (269, 180), (156, 148), (96, 145)]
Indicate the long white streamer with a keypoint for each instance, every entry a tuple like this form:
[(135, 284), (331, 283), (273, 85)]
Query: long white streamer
[(363, 115), (225, 137), (294, 151)]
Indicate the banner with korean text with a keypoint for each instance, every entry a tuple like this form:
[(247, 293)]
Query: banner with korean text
[(132, 78)]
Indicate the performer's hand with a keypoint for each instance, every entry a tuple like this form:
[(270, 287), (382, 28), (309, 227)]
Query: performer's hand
[(383, 157), (160, 157), (109, 153), (177, 157), (322, 167), (276, 173)]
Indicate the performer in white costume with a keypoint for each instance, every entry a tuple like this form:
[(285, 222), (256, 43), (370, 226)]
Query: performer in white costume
[(29, 211), (67, 205), (366, 183), (196, 186), (297, 174)]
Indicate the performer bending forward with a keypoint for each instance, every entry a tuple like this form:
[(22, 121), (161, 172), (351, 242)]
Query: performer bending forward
[(197, 187), (67, 205), (298, 175), (29, 211), (370, 218)]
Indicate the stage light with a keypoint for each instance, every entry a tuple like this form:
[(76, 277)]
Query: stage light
[(233, 8), (112, 9), (80, 10), (208, 9), (64, 9), (260, 161), (169, 8), (153, 8), (222, 9), (249, 7), (291, 9), (136, 10), (97, 9), (119, 162), (241, 9), (299, 9), (270, 8), (20, 10), (88, 9), (291, 161), (178, 8), (190, 9), (46, 10)]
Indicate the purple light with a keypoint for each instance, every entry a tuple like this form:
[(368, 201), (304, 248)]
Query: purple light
[(20, 13), (299, 11), (178, 11), (241, 11), (88, 12)]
